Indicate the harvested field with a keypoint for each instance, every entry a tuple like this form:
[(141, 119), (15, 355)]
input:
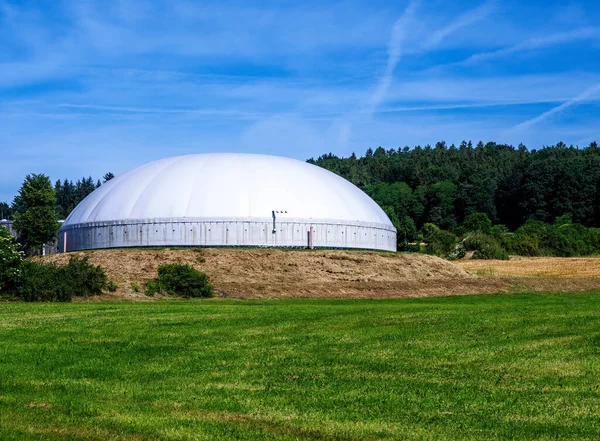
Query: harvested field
[(559, 274), (560, 267), (272, 273)]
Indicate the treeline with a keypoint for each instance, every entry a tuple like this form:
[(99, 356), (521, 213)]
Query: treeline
[(68, 195), (443, 184), (484, 201)]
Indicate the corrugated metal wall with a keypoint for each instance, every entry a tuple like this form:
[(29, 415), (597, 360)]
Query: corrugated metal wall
[(249, 233)]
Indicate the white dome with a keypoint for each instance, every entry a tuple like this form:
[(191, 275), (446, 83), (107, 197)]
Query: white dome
[(228, 186)]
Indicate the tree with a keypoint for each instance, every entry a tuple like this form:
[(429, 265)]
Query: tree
[(478, 223), (5, 211), (36, 221), (407, 232), (107, 177)]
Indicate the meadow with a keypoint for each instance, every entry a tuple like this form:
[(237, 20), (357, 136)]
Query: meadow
[(511, 366)]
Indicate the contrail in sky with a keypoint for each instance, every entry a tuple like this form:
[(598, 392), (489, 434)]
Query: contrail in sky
[(583, 96)]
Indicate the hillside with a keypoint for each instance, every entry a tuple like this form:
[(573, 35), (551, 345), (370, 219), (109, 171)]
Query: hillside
[(294, 273)]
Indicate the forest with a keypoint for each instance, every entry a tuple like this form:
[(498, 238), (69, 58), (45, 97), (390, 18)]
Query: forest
[(531, 199), (444, 184)]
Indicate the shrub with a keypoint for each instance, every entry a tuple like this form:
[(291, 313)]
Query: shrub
[(10, 261), (90, 279), (151, 288), (458, 253), (530, 239), (570, 240), (563, 238), (438, 242), (112, 286), (484, 247), (182, 280), (44, 282), (478, 223), (136, 287)]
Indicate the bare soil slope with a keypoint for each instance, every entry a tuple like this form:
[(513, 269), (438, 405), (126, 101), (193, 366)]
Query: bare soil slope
[(282, 273)]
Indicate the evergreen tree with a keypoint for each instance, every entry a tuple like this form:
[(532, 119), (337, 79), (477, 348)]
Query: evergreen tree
[(36, 221)]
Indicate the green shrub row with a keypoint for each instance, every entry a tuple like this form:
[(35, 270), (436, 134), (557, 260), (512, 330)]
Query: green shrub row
[(34, 281), (563, 238), (45, 282)]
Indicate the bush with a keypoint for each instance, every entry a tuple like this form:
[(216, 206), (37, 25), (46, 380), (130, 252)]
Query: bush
[(10, 261), (90, 279), (151, 288), (484, 247), (570, 240), (44, 282), (531, 239), (438, 242), (112, 286), (478, 223), (182, 280), (458, 252), (563, 238)]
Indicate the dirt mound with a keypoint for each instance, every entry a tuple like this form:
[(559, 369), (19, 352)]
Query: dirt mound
[(294, 273)]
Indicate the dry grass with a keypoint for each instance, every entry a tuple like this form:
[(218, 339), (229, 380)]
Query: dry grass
[(272, 273), (558, 274), (554, 267)]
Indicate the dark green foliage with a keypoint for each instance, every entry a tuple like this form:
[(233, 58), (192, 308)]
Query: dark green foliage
[(445, 184), (5, 211), (406, 233), (405, 227), (438, 242), (69, 194), (112, 286), (35, 219), (107, 177), (91, 279), (10, 261), (478, 223), (484, 246), (562, 238), (151, 288), (180, 280), (43, 282)]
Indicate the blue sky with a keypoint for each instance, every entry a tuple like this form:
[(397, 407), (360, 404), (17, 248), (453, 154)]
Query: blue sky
[(88, 87)]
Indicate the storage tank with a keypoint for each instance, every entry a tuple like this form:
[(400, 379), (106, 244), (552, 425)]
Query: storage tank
[(228, 199)]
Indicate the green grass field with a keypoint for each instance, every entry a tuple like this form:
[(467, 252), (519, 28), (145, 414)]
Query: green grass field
[(521, 366)]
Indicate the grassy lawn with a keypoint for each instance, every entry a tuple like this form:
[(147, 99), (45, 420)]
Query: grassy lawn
[(521, 366)]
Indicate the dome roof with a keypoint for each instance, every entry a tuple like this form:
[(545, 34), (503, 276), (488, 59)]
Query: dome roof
[(228, 186)]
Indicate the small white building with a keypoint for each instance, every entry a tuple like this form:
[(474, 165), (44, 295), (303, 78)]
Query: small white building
[(8, 224), (228, 199)]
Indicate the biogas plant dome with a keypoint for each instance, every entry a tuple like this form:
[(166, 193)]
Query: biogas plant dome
[(228, 199)]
